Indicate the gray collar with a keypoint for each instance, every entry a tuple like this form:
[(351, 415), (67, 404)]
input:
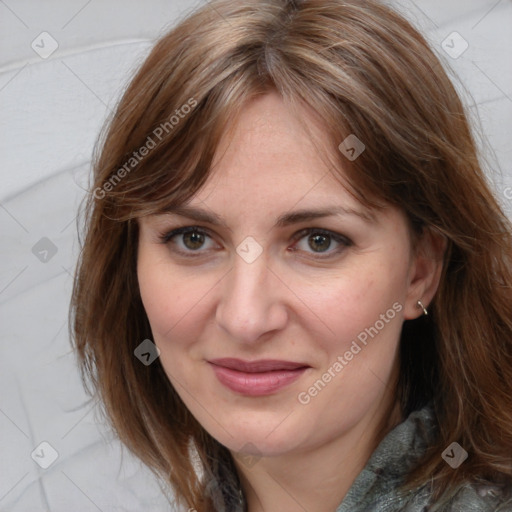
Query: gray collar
[(390, 463)]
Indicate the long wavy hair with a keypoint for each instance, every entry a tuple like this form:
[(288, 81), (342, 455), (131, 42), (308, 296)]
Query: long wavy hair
[(362, 69)]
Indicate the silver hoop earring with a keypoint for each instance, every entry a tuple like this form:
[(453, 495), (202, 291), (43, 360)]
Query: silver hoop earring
[(420, 305)]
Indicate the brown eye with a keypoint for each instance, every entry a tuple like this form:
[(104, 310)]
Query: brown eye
[(193, 240), (319, 242), (187, 241), (190, 241)]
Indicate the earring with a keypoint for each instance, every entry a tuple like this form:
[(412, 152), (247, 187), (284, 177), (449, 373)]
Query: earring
[(420, 305)]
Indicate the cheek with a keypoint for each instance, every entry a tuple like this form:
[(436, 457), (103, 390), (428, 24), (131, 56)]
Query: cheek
[(155, 288), (363, 311), (174, 301), (354, 300)]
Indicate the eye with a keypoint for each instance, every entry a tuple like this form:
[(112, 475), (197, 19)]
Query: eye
[(320, 241), (191, 239)]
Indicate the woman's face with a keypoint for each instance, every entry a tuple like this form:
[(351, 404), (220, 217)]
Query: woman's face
[(324, 306)]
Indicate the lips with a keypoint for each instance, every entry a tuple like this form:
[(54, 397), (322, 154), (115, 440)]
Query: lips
[(256, 378), (263, 365)]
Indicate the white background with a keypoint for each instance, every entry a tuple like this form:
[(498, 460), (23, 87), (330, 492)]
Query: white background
[(52, 110)]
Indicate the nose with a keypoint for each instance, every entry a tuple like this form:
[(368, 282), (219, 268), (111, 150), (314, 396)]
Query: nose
[(252, 301)]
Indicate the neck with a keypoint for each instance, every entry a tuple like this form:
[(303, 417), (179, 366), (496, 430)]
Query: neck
[(316, 479)]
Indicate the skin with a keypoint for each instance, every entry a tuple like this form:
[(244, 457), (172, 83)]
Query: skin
[(286, 305)]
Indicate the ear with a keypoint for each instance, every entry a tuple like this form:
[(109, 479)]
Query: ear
[(425, 272)]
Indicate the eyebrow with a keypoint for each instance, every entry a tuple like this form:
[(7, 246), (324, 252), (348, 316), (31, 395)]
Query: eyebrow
[(287, 219)]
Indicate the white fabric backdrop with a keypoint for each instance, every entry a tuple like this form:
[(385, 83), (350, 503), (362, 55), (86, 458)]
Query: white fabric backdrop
[(52, 110)]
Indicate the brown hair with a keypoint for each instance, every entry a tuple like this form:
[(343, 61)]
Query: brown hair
[(362, 69)]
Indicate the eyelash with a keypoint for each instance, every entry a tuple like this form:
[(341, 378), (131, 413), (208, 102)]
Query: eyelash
[(345, 242)]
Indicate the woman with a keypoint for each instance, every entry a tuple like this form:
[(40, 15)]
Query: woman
[(295, 288)]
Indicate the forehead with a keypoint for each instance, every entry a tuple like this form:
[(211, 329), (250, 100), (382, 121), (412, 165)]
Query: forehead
[(268, 152)]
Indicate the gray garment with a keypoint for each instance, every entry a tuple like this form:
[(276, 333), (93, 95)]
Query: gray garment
[(375, 488)]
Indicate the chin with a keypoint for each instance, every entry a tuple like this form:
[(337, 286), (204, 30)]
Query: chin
[(257, 436)]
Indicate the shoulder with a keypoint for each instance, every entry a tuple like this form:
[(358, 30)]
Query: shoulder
[(482, 498), (468, 498), (476, 498)]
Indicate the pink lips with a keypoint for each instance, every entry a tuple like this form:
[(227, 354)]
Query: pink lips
[(256, 378)]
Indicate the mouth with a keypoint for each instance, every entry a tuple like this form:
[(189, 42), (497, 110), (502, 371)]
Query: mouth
[(256, 378)]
